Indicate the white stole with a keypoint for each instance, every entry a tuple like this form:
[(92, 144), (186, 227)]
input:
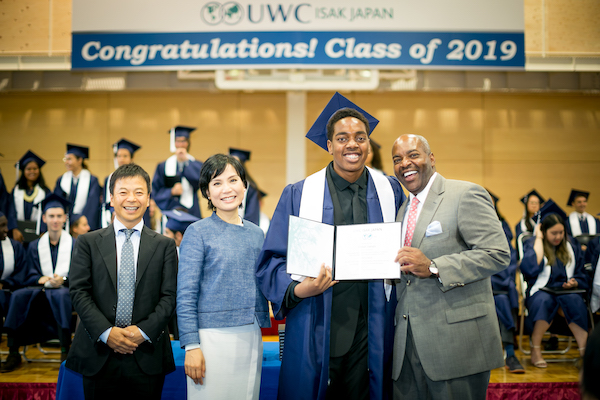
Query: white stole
[(313, 196), (106, 215), (187, 197), (83, 188), (595, 301), (19, 196), (63, 261), (9, 258), (576, 226), (544, 276)]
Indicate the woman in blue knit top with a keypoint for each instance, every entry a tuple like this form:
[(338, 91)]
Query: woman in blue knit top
[(220, 309)]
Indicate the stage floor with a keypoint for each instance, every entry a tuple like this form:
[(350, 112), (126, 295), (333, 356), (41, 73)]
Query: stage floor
[(37, 372)]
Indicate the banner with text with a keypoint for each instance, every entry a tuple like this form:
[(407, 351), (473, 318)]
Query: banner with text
[(467, 34)]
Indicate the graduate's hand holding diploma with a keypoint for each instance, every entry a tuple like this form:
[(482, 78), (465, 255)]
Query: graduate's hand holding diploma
[(195, 366), (315, 286)]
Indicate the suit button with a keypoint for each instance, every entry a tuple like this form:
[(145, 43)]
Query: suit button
[(404, 316), (408, 282)]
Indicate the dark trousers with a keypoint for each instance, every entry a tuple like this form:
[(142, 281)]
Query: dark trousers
[(122, 378), (413, 383), (349, 374)]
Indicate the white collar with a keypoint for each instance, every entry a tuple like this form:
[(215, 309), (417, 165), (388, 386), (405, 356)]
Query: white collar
[(118, 225)]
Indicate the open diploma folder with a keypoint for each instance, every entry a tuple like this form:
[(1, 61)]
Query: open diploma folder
[(363, 251)]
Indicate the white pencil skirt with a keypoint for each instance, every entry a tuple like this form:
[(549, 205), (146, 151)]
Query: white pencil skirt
[(233, 358)]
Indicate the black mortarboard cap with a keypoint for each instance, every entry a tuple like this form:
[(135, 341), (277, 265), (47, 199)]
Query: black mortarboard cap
[(179, 220), (53, 201), (534, 192), (242, 155), (184, 131), (576, 193), (550, 207), (318, 132), (126, 144), (27, 158), (79, 151)]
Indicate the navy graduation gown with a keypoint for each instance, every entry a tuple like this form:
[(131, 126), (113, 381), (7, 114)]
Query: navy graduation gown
[(12, 281), (23, 299), (505, 281), (91, 210), (7, 205), (162, 194), (305, 366), (543, 305), (252, 209)]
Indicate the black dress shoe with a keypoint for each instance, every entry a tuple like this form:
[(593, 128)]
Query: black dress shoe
[(12, 362), (514, 366)]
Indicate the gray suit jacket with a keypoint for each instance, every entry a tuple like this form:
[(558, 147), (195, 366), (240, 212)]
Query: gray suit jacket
[(454, 323)]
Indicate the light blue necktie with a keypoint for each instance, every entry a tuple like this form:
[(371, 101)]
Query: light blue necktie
[(126, 289)]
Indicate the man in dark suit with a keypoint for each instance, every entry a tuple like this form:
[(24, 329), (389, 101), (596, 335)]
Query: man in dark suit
[(447, 338), (123, 286)]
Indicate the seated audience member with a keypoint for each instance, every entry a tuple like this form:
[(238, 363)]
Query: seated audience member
[(177, 222), (12, 264), (592, 256), (79, 186), (78, 225), (37, 313), (553, 262), (30, 189), (532, 202), (590, 384), (579, 221), (506, 299)]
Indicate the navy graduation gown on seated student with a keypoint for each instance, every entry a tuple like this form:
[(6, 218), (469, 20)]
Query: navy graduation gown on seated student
[(252, 208), (591, 256), (22, 300), (304, 370), (504, 281), (91, 210), (7, 205), (543, 305), (521, 227), (28, 206), (162, 194), (584, 226), (12, 281)]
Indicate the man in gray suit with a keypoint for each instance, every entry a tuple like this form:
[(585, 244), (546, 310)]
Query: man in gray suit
[(447, 338)]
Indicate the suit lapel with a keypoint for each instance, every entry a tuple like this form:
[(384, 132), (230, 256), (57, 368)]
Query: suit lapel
[(434, 198), (146, 252), (108, 248)]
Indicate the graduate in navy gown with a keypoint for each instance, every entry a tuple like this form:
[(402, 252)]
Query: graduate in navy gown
[(579, 221), (554, 261), (592, 255), (12, 264), (176, 180), (7, 206), (79, 186), (30, 188), (42, 310), (532, 202), (250, 209), (338, 337), (506, 298)]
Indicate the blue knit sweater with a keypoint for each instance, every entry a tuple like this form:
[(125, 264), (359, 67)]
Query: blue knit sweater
[(216, 282)]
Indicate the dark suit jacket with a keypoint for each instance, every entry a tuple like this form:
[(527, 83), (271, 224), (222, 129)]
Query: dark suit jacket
[(93, 290)]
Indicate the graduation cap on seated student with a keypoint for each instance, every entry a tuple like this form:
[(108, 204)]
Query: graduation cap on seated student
[(550, 207), (178, 221), (53, 201), (78, 151), (242, 155), (124, 144), (179, 131), (577, 193), (533, 192), (318, 131)]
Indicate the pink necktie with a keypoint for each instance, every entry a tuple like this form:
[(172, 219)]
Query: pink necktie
[(412, 221)]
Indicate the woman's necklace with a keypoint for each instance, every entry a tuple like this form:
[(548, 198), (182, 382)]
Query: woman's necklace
[(29, 197)]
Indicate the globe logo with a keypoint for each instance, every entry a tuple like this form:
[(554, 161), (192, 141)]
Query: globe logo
[(229, 13)]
